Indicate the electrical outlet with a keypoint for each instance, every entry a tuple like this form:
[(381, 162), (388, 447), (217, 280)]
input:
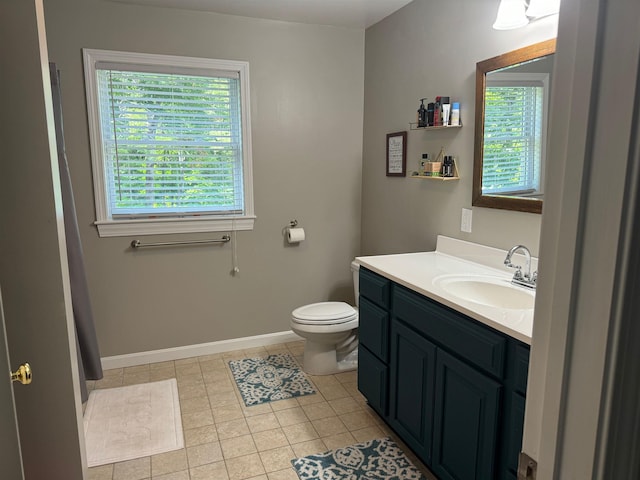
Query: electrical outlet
[(465, 224)]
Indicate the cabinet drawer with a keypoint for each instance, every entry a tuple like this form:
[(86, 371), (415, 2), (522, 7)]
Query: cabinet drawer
[(475, 343), (374, 287), (373, 380), (521, 369), (373, 329)]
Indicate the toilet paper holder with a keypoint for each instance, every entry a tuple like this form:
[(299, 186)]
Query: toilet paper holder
[(293, 234)]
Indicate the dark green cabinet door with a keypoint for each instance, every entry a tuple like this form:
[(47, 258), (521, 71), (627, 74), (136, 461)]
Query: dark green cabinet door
[(372, 380), (412, 394), (465, 421)]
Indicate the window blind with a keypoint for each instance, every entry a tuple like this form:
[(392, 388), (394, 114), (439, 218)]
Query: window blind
[(172, 143), (512, 139)]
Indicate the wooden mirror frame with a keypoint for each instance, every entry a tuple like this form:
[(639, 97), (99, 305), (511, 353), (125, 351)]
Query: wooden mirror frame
[(515, 57)]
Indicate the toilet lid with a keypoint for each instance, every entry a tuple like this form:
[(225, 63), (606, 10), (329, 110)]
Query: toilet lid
[(325, 313)]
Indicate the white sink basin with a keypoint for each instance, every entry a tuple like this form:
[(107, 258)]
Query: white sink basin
[(486, 290)]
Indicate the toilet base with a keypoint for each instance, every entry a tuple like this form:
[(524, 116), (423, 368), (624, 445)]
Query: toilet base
[(322, 359)]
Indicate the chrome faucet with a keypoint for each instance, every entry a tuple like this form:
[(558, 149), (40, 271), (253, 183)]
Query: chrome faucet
[(526, 279)]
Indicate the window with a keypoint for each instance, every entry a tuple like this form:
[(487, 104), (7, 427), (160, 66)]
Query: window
[(515, 136), (170, 143)]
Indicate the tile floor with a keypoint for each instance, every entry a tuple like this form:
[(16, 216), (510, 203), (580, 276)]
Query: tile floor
[(225, 440)]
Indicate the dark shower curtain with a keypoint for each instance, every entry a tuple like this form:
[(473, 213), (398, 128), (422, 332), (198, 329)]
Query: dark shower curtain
[(89, 364)]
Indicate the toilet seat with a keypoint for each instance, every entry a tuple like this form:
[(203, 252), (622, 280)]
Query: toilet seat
[(324, 313)]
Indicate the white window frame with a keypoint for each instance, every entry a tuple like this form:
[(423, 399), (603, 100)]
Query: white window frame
[(507, 79), (115, 227)]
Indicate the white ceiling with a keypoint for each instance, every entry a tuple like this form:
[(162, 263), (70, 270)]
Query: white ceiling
[(342, 13)]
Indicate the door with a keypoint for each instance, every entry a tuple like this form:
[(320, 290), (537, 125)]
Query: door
[(33, 265), (412, 388), (10, 458), (465, 421)]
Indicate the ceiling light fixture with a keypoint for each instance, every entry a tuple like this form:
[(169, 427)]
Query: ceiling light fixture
[(512, 14)]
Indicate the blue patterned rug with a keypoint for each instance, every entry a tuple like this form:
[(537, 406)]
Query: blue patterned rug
[(268, 379), (373, 460)]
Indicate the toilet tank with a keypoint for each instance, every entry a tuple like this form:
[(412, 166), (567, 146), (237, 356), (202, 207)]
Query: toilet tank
[(355, 270)]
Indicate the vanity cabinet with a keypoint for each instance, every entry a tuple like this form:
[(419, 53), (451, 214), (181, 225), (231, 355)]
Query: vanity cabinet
[(452, 388)]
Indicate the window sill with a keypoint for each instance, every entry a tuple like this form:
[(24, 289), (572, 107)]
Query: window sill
[(156, 226)]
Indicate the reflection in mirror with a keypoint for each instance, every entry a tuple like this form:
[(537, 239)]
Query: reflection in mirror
[(512, 99)]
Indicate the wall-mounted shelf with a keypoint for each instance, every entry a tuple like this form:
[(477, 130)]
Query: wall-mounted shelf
[(414, 126), (442, 179), (456, 175)]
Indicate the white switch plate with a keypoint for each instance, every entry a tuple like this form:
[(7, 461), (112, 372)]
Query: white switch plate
[(465, 224)]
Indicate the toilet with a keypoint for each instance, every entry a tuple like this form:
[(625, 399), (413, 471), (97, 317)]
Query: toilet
[(331, 333)]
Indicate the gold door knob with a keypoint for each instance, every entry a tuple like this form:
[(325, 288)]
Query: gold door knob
[(22, 375)]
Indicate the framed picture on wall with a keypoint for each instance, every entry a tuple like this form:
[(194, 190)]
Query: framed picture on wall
[(397, 154)]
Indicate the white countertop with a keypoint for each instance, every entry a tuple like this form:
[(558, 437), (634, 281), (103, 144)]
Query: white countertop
[(417, 272)]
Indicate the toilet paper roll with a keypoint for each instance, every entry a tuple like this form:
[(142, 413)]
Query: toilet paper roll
[(295, 235)]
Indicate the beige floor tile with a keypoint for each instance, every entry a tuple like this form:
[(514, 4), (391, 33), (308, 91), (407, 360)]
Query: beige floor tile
[(185, 361), (329, 426), (109, 382), (189, 379), (256, 409), (221, 395), (255, 352), (323, 381), (285, 404), (136, 369), (311, 447), (279, 348), (286, 474), (315, 411), (347, 377), (232, 428), (244, 467), (227, 413), (291, 416), (277, 458), (300, 432), (191, 390), (344, 405), (200, 435), (235, 355), (103, 472), (309, 399), (185, 370), (194, 404), (339, 441), (162, 365), (203, 454), (136, 378), (367, 433), (352, 389), (238, 446), (157, 374), (334, 391), (260, 423), (270, 439), (137, 469), (211, 471), (169, 462), (218, 376), (113, 372), (259, 477), (210, 364), (181, 475), (211, 356), (357, 420), (197, 419)]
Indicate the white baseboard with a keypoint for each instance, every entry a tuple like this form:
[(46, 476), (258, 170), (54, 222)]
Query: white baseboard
[(176, 353)]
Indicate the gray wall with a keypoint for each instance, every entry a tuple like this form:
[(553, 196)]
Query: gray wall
[(306, 106), (426, 49)]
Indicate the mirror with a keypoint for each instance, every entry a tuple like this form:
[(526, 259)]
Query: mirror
[(512, 100)]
